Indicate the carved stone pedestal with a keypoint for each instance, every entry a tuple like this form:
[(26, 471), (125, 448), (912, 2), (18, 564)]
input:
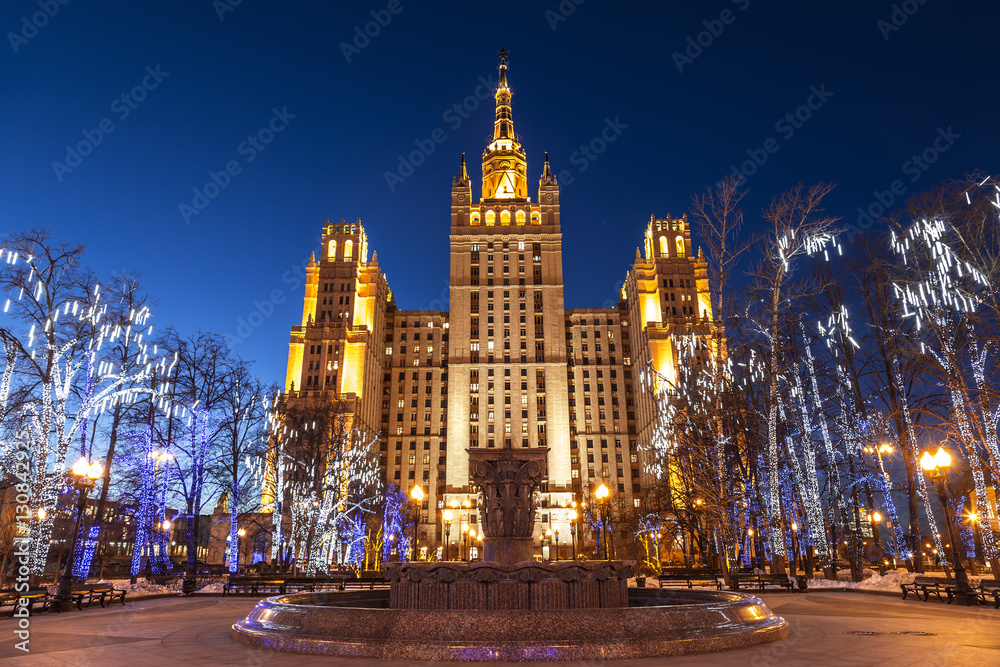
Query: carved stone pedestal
[(507, 479)]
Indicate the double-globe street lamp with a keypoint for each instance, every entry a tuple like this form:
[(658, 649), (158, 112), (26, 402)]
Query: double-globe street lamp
[(447, 533), (82, 478), (602, 494), (572, 526), (936, 466), (417, 494)]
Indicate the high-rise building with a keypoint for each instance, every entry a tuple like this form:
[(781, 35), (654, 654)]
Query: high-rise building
[(507, 365)]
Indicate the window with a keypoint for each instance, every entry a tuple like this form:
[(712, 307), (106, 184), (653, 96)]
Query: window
[(519, 217), (475, 218), (331, 252), (505, 218), (348, 250), (490, 218), (664, 248), (680, 246)]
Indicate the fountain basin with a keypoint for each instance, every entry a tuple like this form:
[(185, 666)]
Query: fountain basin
[(524, 585), (659, 623)]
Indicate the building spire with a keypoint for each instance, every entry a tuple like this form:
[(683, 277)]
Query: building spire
[(546, 170), (502, 85), (463, 175), (504, 162)]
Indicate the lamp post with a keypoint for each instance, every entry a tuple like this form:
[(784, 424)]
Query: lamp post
[(447, 534), (936, 466), (82, 478), (418, 495), (874, 518), (602, 494), (795, 548), (572, 527), (557, 543), (165, 555), (239, 546)]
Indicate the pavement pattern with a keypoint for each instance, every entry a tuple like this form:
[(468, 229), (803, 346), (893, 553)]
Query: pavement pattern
[(827, 628)]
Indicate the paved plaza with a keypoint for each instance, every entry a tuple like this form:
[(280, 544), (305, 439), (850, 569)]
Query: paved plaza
[(831, 628)]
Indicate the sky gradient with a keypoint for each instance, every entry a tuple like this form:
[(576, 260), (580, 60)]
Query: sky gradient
[(116, 116)]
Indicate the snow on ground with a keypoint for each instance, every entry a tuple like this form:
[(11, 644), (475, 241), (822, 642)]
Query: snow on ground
[(142, 587), (872, 581)]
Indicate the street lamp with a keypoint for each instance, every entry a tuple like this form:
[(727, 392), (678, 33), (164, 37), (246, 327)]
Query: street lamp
[(602, 494), (239, 544), (418, 495), (936, 466), (572, 527), (875, 518), (82, 478), (447, 533), (548, 536), (795, 548), (557, 543)]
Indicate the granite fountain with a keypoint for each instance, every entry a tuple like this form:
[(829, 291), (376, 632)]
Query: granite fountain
[(509, 607)]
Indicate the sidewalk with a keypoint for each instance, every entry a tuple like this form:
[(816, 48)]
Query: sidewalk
[(827, 628)]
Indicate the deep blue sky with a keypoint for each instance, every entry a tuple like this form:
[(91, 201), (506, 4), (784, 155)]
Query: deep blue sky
[(352, 120)]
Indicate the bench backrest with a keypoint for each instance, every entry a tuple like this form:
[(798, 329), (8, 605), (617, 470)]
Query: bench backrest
[(989, 584), (102, 587), (932, 580)]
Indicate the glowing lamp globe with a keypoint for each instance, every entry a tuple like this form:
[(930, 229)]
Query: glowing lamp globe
[(942, 458), (80, 467)]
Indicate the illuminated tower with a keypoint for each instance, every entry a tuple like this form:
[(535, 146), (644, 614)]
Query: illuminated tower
[(507, 358)]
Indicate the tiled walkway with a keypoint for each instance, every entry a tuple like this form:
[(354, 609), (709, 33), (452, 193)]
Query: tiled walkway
[(827, 629)]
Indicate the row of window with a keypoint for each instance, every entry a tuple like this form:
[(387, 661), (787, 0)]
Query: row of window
[(491, 217)]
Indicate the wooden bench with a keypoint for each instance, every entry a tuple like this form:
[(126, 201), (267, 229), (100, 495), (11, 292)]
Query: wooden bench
[(32, 596), (239, 585), (369, 578), (988, 590), (927, 586), (760, 581), (689, 577), (105, 594)]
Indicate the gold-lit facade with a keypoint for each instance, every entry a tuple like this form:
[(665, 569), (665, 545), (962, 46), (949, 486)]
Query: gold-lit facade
[(507, 365)]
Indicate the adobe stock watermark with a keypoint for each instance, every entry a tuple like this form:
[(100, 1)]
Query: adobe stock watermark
[(914, 168), (248, 149), (31, 25), (584, 156), (559, 15), (898, 17), (20, 555), (223, 7), (381, 18), (786, 126), (122, 107), (262, 310), (696, 44), (454, 116)]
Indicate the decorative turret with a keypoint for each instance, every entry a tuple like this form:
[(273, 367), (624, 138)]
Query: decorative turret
[(547, 178)]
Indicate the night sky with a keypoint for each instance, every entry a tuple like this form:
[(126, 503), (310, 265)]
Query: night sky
[(886, 82)]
